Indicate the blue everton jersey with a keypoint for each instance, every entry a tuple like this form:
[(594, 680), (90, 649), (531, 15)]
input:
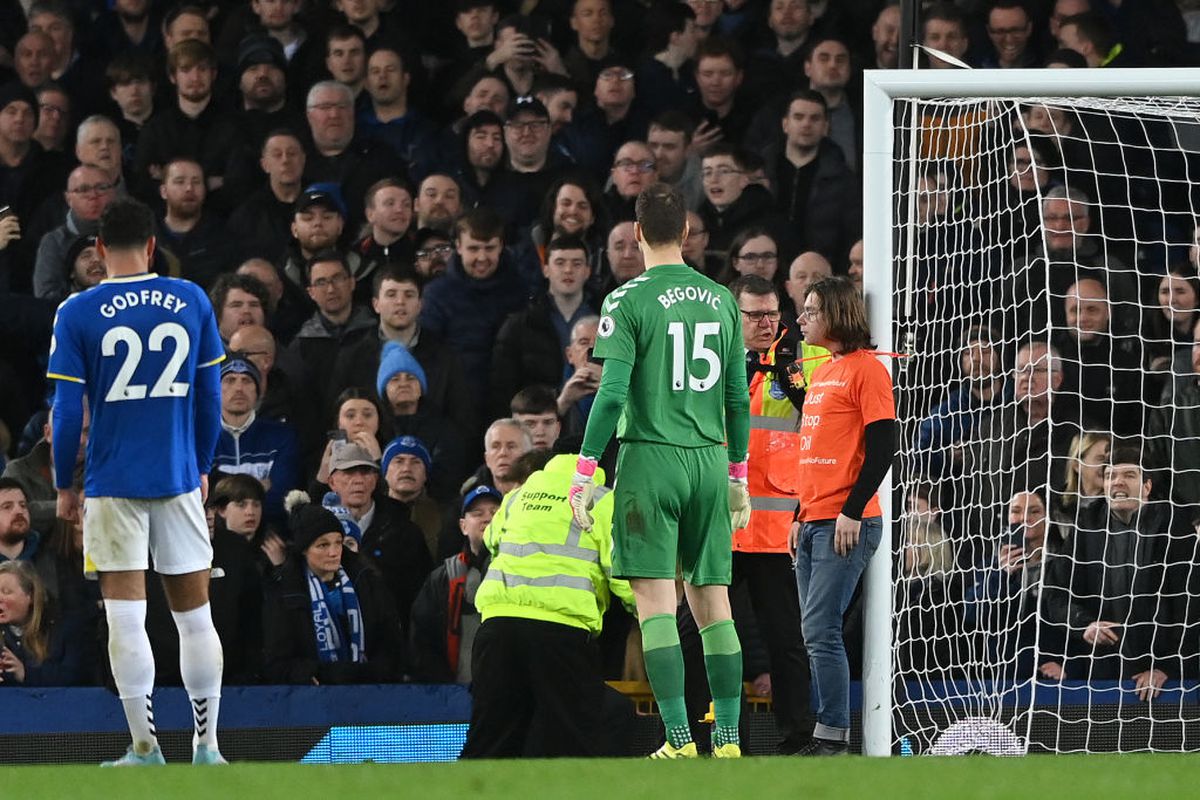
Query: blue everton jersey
[(136, 344)]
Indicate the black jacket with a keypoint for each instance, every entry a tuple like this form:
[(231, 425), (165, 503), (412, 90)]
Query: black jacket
[(290, 646), (320, 347), (438, 615), (1084, 586), (261, 226), (443, 437), (830, 216), (527, 351), (211, 138), (204, 252), (397, 548), (754, 206)]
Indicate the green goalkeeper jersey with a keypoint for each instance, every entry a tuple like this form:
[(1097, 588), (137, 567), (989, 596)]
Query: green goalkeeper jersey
[(681, 334)]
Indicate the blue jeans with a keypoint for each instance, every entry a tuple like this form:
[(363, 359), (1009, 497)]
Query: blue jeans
[(826, 583)]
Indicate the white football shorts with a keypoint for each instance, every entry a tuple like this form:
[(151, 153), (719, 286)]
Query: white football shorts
[(121, 534)]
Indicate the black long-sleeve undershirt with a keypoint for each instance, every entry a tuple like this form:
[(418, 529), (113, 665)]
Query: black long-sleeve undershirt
[(879, 450)]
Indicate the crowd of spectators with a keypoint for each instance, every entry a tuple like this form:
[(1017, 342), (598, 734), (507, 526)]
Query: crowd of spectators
[(407, 214)]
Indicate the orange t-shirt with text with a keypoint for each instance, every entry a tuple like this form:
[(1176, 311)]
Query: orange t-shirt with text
[(844, 397)]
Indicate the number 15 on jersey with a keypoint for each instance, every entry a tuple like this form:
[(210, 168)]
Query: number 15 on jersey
[(702, 371)]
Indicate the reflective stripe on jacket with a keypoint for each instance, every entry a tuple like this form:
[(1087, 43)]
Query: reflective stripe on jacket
[(774, 459), (544, 566)]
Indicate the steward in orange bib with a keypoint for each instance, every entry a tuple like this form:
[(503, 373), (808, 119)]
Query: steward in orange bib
[(760, 550)]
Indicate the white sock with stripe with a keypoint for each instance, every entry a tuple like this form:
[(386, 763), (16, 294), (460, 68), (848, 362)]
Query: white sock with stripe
[(132, 668), (201, 662)]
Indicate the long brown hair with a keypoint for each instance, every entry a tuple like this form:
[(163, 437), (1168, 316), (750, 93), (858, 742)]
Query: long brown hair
[(33, 636), (845, 311)]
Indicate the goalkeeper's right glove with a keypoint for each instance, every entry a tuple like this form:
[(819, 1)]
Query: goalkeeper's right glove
[(739, 495), (581, 492)]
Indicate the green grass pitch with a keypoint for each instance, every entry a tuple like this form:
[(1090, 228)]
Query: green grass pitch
[(1085, 777)]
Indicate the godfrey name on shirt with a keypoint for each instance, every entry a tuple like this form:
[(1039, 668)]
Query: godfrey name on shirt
[(695, 294), (146, 297)]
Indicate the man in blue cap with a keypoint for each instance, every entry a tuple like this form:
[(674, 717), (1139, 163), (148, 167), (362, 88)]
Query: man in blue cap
[(444, 617)]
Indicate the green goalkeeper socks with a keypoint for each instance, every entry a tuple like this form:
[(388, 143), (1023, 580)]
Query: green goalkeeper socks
[(664, 668), (723, 662)]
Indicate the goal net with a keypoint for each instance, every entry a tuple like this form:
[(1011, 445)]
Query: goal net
[(1046, 498)]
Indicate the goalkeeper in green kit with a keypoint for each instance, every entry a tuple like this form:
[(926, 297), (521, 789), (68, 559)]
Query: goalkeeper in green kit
[(674, 387)]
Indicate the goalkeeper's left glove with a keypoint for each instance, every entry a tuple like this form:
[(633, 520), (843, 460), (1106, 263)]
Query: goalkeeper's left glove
[(581, 492), (739, 495)]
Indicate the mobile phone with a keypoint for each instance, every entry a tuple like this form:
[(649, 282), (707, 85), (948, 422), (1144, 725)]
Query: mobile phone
[(6, 211), (337, 436)]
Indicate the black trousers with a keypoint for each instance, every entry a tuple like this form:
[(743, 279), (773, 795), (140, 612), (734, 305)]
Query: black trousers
[(537, 691), (771, 582)]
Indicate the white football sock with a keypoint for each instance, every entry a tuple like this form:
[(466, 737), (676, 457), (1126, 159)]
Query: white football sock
[(133, 668), (201, 661)]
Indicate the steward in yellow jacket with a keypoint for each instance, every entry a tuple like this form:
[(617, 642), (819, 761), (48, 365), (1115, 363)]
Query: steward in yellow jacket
[(542, 603)]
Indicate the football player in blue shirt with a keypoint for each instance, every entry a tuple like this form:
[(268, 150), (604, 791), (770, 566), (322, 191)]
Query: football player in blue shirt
[(144, 350)]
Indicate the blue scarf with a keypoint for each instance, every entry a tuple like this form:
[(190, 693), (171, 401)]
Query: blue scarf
[(327, 626)]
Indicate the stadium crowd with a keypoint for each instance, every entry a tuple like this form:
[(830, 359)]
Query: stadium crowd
[(406, 216)]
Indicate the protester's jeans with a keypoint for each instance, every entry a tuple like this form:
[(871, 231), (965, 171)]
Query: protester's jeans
[(826, 583)]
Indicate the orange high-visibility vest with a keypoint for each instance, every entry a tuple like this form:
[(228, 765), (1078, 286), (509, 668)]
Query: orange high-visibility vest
[(774, 462)]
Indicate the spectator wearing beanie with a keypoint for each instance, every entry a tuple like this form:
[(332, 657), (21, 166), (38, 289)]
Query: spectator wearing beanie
[(406, 468), (251, 445), (388, 537), (328, 618), (28, 176), (402, 385)]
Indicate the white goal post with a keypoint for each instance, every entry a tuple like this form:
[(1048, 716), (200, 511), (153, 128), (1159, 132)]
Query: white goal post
[(882, 91)]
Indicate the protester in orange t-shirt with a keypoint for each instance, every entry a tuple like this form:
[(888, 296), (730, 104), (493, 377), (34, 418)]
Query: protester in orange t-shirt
[(847, 442)]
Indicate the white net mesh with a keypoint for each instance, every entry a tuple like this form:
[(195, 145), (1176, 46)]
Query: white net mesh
[(1049, 477)]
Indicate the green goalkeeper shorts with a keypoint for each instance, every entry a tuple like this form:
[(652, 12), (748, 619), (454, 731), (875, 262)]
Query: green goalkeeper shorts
[(671, 512)]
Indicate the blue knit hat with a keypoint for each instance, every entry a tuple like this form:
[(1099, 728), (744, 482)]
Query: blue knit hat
[(406, 445), (396, 358), (237, 362)]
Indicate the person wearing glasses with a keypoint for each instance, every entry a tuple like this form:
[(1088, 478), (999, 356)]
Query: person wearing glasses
[(753, 252), (732, 202), (89, 191), (633, 169), (531, 166), (336, 326), (760, 549), (1010, 30), (847, 444), (616, 117), (338, 154)]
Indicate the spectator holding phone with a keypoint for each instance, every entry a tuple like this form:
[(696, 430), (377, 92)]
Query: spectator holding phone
[(1014, 578), (357, 420), (582, 377)]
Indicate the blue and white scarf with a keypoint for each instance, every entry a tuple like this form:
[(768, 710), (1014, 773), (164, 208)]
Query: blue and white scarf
[(328, 628)]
